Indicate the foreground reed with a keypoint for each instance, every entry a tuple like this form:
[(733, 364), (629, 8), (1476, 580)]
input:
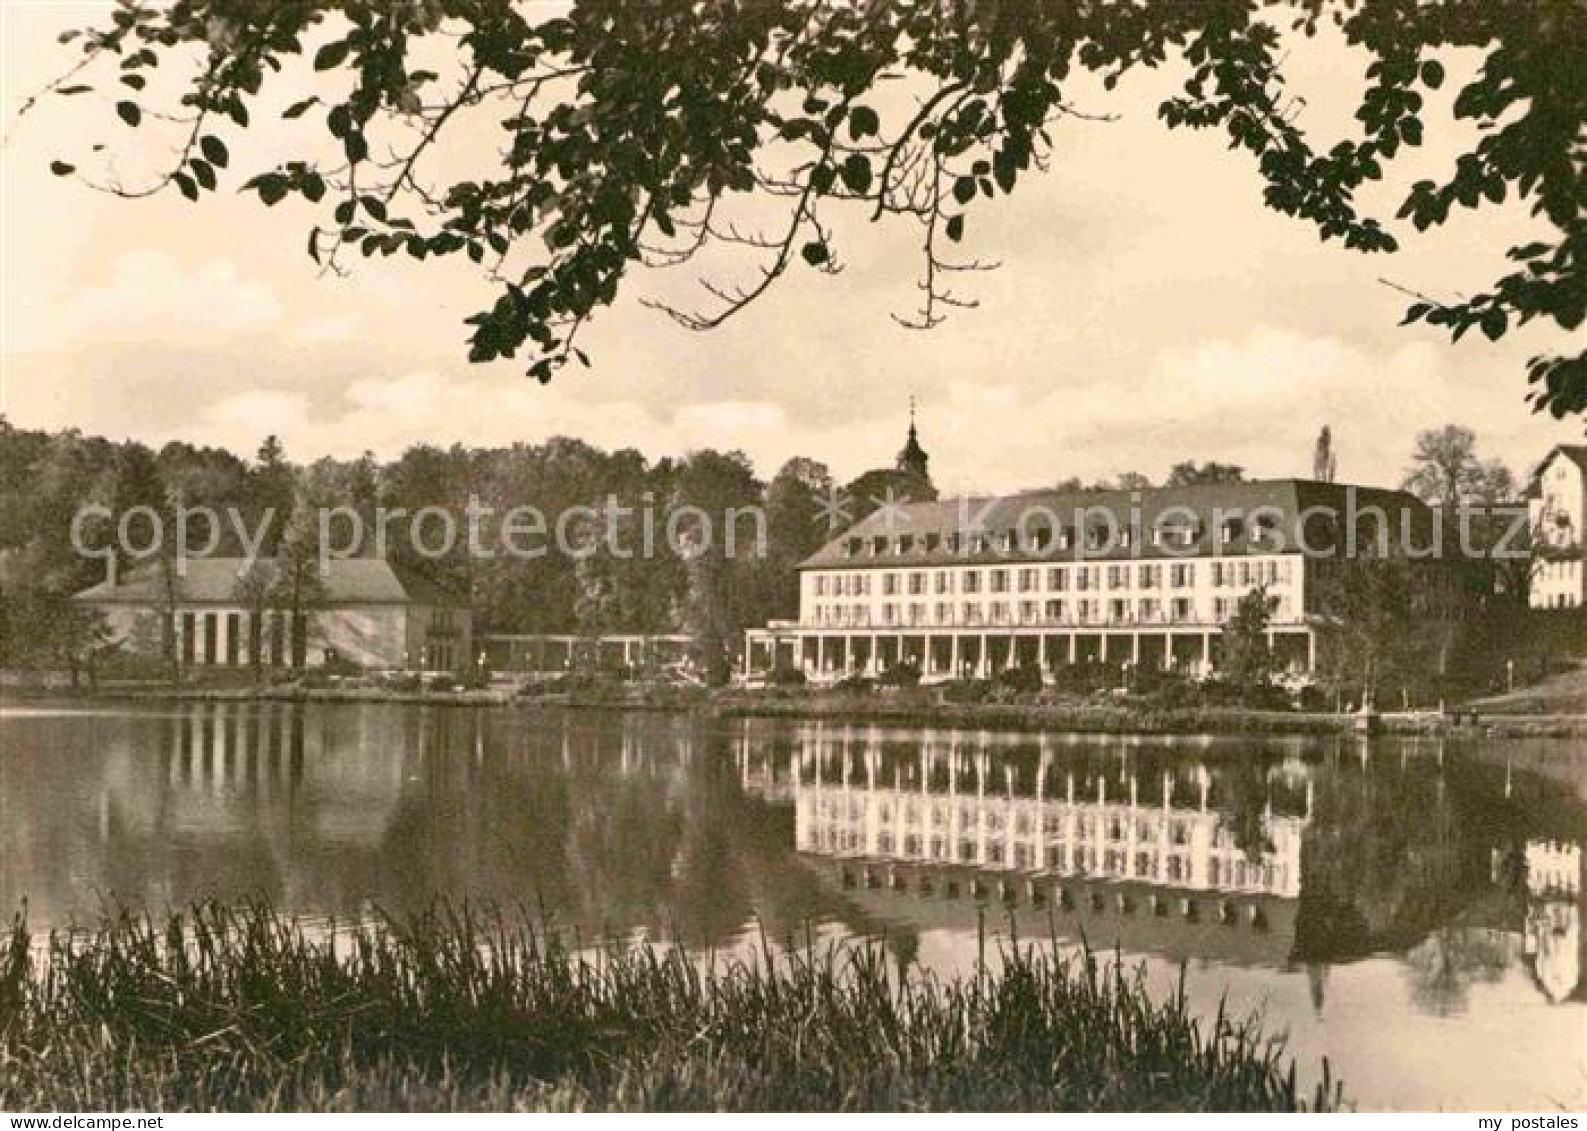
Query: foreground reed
[(244, 1009)]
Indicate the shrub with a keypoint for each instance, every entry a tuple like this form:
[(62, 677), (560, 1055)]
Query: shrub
[(1313, 698), (405, 682), (965, 691), (855, 685), (901, 675), (1022, 679), (786, 675)]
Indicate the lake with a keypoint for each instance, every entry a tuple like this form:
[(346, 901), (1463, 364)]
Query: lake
[(1410, 909)]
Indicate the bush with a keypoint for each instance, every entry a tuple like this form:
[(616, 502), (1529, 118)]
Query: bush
[(443, 683), (965, 691), (404, 682), (1313, 698), (1084, 678), (340, 665), (475, 679), (901, 675), (786, 675), (1023, 679), (855, 685)]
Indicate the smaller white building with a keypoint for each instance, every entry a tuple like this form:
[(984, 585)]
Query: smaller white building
[(1558, 512), (366, 612)]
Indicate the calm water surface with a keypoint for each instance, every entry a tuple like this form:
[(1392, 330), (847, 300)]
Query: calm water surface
[(1409, 909)]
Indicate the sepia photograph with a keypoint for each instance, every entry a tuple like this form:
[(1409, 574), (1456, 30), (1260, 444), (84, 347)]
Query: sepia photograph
[(747, 556)]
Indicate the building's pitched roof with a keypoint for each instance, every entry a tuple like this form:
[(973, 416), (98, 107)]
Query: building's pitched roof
[(1576, 453), (348, 581), (1289, 501)]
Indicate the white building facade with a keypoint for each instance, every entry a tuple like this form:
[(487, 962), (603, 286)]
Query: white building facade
[(1144, 578), (1558, 512)]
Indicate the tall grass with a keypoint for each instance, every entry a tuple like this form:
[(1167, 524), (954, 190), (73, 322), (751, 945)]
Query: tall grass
[(241, 1008)]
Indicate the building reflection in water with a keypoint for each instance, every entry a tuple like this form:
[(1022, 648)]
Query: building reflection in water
[(934, 833), (1553, 941)]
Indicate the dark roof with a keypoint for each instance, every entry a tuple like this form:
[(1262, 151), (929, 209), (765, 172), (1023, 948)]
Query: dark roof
[(1290, 502), (349, 581), (1576, 453)]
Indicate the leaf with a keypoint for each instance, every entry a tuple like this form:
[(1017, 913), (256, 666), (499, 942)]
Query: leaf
[(856, 172), (298, 109), (1433, 74), (331, 55), (204, 172), (956, 227), (964, 190), (128, 112), (214, 151), (863, 122), (62, 169), (75, 88), (1494, 323), (272, 187), (185, 185), (814, 253)]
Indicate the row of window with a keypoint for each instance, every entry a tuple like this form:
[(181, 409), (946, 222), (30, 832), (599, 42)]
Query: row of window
[(1079, 859), (1055, 579), (1180, 533), (1054, 610)]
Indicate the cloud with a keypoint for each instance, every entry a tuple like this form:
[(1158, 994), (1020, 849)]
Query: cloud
[(150, 296)]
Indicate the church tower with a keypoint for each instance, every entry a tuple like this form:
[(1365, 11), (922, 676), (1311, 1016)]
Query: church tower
[(913, 458)]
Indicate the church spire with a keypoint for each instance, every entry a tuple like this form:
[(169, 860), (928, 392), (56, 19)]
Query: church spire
[(913, 458)]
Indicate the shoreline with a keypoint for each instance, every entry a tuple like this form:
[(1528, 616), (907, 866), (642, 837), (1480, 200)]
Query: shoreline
[(915, 707)]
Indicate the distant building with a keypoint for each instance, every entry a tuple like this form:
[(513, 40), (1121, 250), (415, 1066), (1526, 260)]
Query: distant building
[(1557, 501), (912, 459), (370, 613), (1047, 578)]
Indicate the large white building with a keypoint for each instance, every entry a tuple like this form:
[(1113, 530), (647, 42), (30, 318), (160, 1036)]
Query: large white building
[(973, 586), (1558, 512)]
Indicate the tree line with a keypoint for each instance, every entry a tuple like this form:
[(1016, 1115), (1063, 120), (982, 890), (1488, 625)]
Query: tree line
[(47, 478)]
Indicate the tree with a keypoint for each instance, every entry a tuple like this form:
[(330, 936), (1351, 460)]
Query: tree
[(719, 553), (139, 484), (1247, 661), (883, 487), (1132, 481), (1387, 623), (297, 583), (256, 591), (271, 486), (46, 628), (796, 499), (1191, 473), (1445, 471), (640, 136)]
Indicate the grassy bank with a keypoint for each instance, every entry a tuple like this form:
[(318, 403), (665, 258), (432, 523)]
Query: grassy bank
[(1039, 712), (241, 1009), (921, 708)]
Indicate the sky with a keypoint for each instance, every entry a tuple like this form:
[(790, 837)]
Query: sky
[(1147, 309)]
